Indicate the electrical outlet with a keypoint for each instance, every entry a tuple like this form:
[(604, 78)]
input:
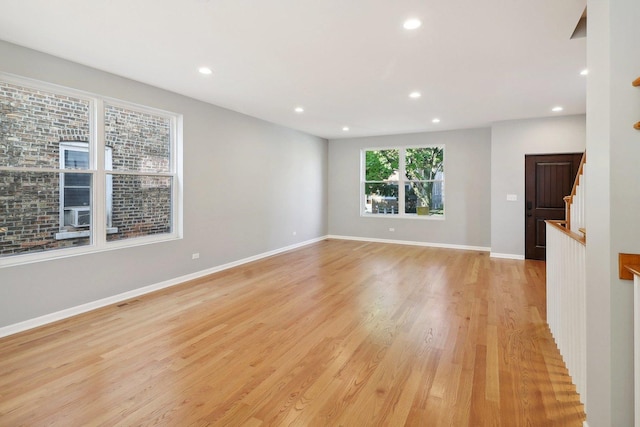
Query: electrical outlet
[(195, 255), (392, 229), (295, 232)]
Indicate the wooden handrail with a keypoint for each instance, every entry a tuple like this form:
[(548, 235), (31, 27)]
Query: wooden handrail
[(568, 200), (625, 260), (636, 83), (633, 268), (576, 181), (575, 236)]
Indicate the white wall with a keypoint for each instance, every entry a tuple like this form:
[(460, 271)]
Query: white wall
[(467, 190), (510, 141), (613, 203), (597, 211), (248, 185)]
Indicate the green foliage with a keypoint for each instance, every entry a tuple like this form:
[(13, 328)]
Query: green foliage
[(422, 166), (381, 164)]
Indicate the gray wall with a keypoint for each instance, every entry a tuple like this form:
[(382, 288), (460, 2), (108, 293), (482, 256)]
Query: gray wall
[(467, 190), (612, 203), (248, 185), (510, 142)]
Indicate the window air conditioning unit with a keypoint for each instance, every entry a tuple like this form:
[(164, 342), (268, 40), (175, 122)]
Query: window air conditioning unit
[(78, 216)]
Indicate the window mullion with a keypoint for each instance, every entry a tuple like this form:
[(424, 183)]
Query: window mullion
[(61, 181), (401, 181), (177, 210), (97, 155)]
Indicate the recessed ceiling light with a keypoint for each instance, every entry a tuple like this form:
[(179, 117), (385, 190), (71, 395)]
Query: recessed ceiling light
[(436, 120), (415, 95), (584, 72), (205, 70), (299, 110), (412, 24), (557, 109), (345, 128)]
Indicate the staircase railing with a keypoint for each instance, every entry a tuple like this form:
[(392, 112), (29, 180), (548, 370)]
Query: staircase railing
[(574, 202), (566, 282)]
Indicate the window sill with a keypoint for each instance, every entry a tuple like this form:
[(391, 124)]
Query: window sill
[(405, 216), (77, 234), (48, 255)]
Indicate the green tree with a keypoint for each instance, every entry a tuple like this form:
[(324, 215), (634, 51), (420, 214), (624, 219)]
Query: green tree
[(422, 167), (380, 166)]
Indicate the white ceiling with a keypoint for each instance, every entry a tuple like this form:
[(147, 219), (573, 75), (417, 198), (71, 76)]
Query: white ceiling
[(347, 62)]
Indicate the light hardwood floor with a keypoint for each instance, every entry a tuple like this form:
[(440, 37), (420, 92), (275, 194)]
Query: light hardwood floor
[(339, 333)]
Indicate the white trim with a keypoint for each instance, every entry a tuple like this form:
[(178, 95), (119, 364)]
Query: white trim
[(506, 256), (411, 216), (585, 424), (98, 155), (74, 311), (72, 251), (153, 174), (412, 243)]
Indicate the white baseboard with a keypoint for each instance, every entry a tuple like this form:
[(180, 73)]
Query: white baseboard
[(412, 243), (506, 256), (83, 308), (584, 424)]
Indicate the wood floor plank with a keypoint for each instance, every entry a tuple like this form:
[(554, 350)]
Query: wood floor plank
[(335, 333)]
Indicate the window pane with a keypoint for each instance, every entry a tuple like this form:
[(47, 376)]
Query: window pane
[(77, 196), (141, 206), (30, 218), (382, 165), (34, 122), (76, 159), (424, 164), (77, 180), (381, 198), (141, 142), (424, 198)]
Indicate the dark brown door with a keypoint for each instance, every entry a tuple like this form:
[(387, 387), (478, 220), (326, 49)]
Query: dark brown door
[(548, 179)]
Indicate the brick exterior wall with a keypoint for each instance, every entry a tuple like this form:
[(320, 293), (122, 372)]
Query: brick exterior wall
[(140, 143), (33, 123), (141, 206)]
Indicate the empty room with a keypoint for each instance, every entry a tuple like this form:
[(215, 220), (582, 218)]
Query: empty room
[(305, 213)]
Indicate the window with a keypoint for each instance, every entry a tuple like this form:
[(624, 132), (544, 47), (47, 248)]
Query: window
[(75, 188), (65, 188), (403, 182), (141, 171)]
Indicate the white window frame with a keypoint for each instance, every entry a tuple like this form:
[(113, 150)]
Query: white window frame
[(83, 146), (401, 182), (99, 168)]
